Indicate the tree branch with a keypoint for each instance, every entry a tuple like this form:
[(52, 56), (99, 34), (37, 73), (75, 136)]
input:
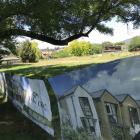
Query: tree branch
[(42, 37)]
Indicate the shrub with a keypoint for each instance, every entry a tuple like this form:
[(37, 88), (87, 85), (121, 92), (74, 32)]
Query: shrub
[(30, 52), (69, 133), (75, 48), (107, 44), (134, 44), (79, 48), (82, 48), (62, 53), (96, 49)]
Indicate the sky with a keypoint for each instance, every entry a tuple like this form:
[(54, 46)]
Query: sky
[(121, 33), (118, 77)]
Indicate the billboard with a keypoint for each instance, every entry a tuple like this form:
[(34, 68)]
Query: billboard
[(119, 77), (30, 97), (2, 85)]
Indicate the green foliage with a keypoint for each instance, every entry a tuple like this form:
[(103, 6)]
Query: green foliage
[(107, 44), (119, 43), (75, 48), (57, 20), (3, 51), (9, 43), (134, 44), (30, 52), (83, 48), (70, 134), (79, 48), (96, 49), (62, 53)]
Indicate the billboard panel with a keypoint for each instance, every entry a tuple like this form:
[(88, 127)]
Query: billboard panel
[(31, 97)]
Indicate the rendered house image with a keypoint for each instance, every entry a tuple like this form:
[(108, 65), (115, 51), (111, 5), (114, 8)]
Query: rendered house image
[(130, 115), (109, 114), (117, 116), (77, 109)]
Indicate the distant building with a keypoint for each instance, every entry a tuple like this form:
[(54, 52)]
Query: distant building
[(46, 53), (10, 60), (112, 49), (77, 109)]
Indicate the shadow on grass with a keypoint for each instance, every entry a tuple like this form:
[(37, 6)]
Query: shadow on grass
[(14, 65), (14, 126), (45, 71)]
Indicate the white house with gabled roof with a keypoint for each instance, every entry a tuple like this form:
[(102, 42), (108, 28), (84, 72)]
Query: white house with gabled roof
[(77, 109)]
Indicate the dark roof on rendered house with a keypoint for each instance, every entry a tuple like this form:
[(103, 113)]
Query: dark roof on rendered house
[(68, 92), (97, 94), (121, 97)]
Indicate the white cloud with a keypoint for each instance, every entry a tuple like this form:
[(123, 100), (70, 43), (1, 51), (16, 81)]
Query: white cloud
[(121, 32), (125, 78)]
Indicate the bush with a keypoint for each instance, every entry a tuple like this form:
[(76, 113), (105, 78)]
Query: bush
[(107, 44), (30, 52), (96, 49), (134, 44), (79, 48), (68, 133), (75, 48), (83, 48), (62, 53)]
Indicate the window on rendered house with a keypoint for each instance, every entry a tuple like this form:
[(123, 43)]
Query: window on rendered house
[(88, 121), (111, 110), (89, 124), (133, 116), (84, 102)]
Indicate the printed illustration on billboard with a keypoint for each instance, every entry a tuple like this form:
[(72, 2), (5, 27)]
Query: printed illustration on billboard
[(3, 90), (91, 100), (31, 97)]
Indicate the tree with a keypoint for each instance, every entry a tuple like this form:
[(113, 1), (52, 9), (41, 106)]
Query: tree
[(3, 51), (10, 43), (134, 44), (96, 49), (79, 48), (107, 44), (30, 52), (119, 43), (61, 21), (83, 48)]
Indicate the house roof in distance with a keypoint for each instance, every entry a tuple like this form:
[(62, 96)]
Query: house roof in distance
[(8, 58)]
